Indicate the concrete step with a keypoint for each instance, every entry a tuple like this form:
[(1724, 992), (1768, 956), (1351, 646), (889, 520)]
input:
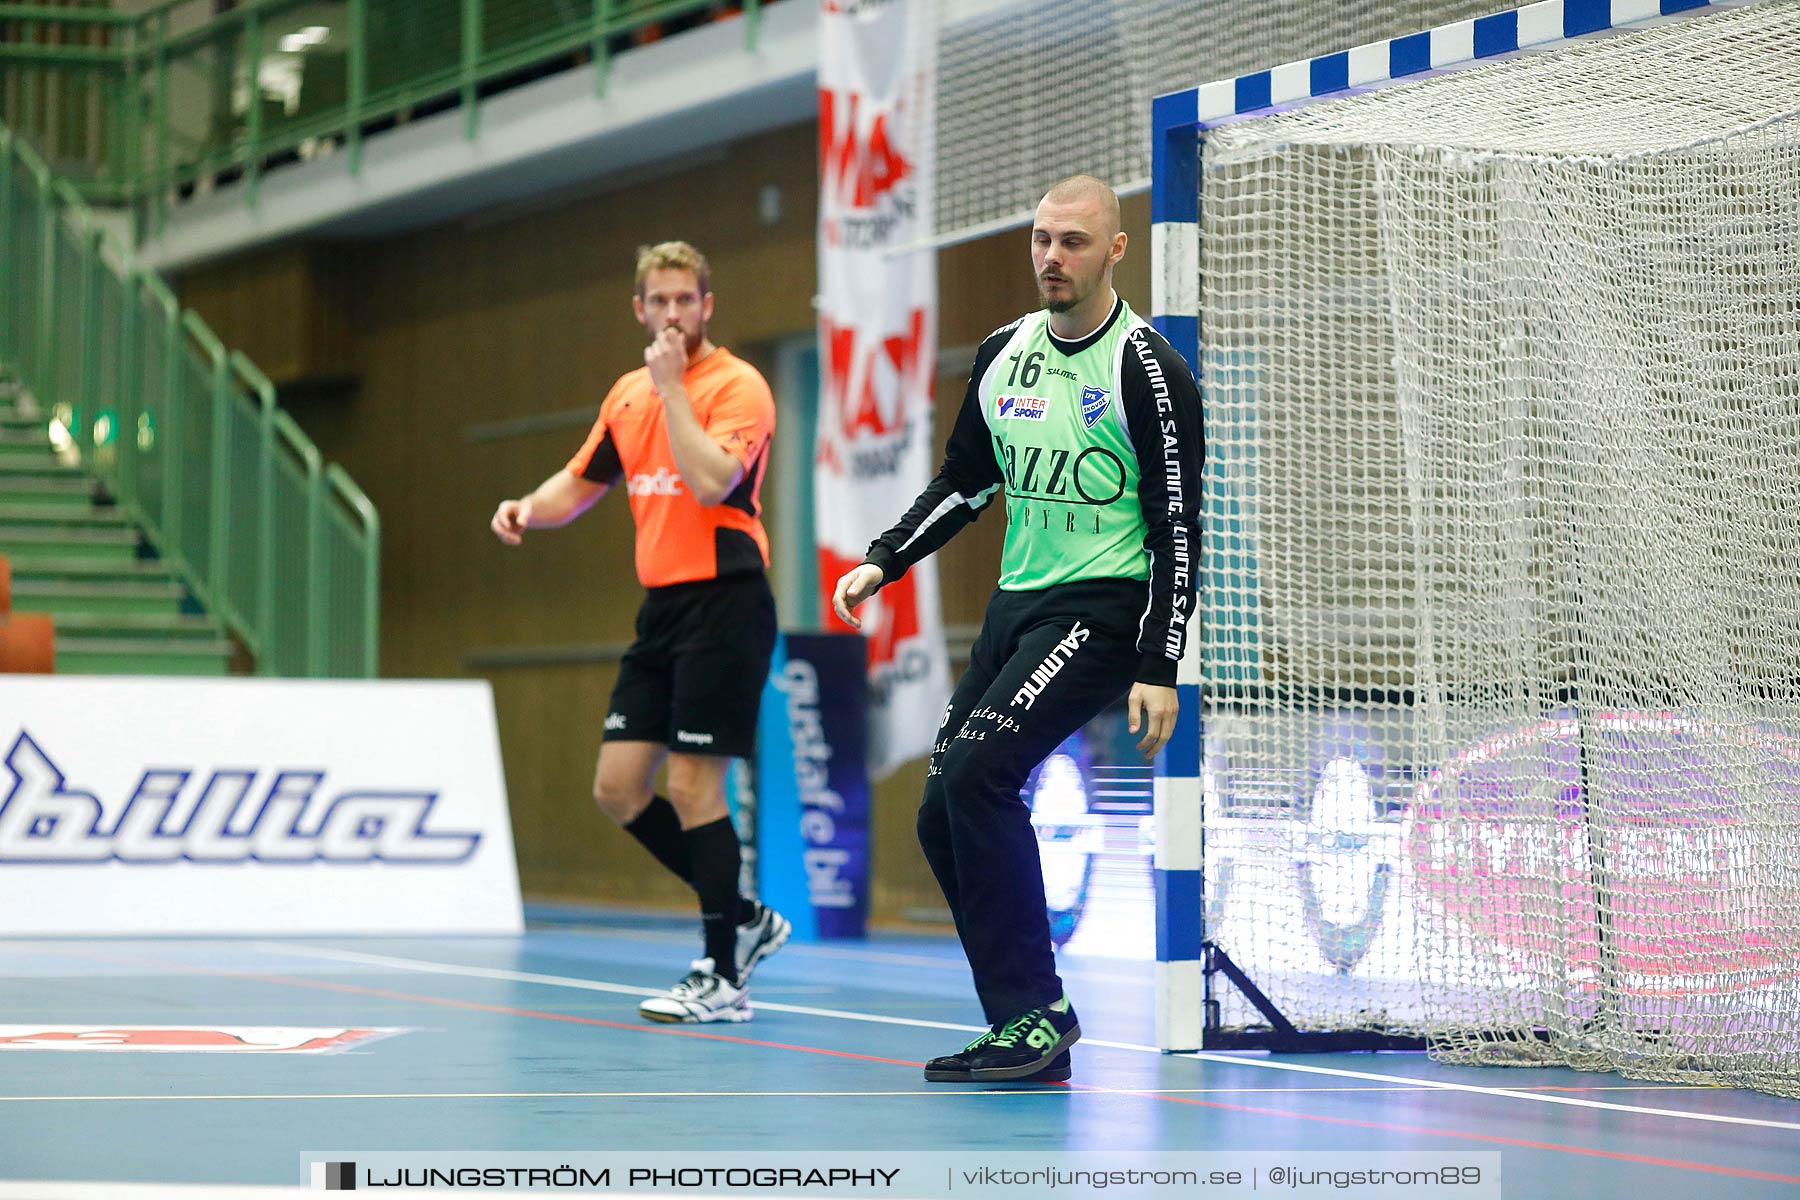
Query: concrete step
[(27, 445), (180, 627), (68, 516), (141, 656), (62, 491), (12, 419), (49, 475), (59, 597), (45, 569), (53, 543), (54, 497)]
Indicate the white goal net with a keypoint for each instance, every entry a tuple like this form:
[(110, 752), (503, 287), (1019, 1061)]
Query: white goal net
[(1029, 91), (1502, 380)]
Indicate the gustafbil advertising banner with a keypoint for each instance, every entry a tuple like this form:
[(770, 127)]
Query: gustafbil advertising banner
[(252, 806), (812, 785)]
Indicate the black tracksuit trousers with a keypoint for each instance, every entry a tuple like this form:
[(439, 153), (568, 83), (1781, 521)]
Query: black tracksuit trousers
[(1046, 662)]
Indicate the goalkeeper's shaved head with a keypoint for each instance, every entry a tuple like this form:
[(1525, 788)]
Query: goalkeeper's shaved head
[(1075, 243), (1078, 189)]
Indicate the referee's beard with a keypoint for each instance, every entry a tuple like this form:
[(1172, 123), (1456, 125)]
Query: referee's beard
[(692, 340)]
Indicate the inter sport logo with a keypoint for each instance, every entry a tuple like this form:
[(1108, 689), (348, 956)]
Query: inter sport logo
[(1021, 408)]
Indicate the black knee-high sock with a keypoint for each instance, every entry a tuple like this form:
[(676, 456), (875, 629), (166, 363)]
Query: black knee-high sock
[(659, 829), (716, 857)]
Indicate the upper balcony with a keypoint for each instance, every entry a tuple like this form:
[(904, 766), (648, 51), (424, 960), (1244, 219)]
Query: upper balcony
[(278, 117)]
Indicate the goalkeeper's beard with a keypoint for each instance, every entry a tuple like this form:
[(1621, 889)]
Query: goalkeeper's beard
[(1074, 299)]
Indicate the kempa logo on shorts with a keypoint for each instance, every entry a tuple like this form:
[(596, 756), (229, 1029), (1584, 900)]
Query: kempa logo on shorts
[(1020, 408), (615, 722), (1047, 670), (693, 739), (663, 483)]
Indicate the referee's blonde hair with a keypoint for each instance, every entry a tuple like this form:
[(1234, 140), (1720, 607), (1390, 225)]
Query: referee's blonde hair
[(672, 256)]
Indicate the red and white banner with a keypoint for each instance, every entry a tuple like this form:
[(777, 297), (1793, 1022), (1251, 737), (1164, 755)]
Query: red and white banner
[(878, 347), (190, 1039)]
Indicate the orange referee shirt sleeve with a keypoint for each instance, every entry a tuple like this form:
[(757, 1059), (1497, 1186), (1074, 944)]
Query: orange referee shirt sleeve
[(742, 418), (598, 458)]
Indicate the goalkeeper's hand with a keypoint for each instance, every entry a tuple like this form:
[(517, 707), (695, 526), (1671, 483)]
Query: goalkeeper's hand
[(857, 585), (1152, 709)]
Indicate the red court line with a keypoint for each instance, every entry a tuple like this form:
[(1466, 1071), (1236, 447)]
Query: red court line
[(667, 1030), (504, 1010), (477, 1006)]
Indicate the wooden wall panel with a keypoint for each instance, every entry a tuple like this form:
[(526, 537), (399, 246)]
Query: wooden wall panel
[(288, 308), (527, 312)]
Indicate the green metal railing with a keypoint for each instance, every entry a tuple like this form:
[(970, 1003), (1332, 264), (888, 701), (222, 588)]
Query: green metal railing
[(185, 435), (137, 108)]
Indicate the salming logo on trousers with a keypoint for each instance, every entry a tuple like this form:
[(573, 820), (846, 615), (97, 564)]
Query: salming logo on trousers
[(1044, 672)]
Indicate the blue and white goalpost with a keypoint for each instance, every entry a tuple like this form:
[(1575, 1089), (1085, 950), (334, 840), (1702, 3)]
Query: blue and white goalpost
[(1426, 342)]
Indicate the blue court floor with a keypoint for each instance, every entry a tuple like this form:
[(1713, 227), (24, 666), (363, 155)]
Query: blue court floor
[(534, 1044)]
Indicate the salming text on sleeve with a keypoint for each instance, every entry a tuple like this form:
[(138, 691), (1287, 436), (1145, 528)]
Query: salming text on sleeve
[(1162, 408)]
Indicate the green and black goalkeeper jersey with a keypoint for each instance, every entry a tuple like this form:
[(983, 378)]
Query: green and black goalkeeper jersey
[(1098, 445)]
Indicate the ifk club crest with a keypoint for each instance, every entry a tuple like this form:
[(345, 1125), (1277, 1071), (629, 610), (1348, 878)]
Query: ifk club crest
[(1094, 403)]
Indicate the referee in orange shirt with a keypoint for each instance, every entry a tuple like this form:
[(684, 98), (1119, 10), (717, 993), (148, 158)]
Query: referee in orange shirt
[(689, 432)]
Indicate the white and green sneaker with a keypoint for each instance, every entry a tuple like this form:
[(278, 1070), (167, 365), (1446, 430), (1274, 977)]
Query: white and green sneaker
[(1032, 1047)]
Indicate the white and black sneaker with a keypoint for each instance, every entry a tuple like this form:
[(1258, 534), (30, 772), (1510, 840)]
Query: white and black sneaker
[(759, 937), (703, 996)]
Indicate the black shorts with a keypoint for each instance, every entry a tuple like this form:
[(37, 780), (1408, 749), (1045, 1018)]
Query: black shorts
[(693, 679)]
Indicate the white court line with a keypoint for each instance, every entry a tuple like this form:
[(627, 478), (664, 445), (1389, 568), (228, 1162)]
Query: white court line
[(711, 1095), (847, 953), (436, 968), (1502, 1093), (587, 985)]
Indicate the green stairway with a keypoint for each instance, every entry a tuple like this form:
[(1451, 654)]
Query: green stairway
[(180, 521), (75, 556)]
